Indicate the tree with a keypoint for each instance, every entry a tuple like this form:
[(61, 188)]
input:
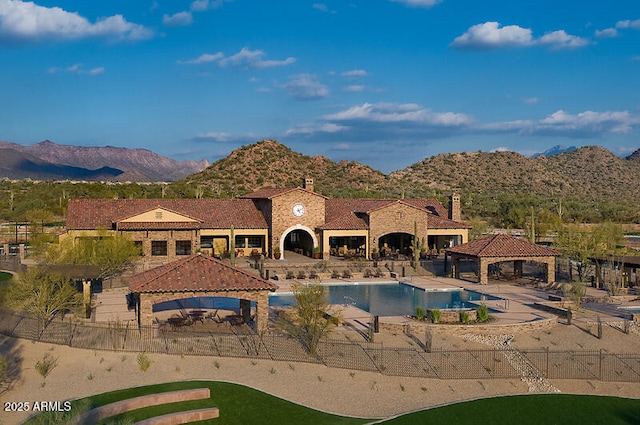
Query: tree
[(581, 244), (312, 318), (111, 252), (43, 294)]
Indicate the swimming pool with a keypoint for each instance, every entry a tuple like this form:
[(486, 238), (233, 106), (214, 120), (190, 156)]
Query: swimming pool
[(391, 299)]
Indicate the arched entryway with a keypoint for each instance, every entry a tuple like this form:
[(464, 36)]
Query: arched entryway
[(299, 239), (395, 244)]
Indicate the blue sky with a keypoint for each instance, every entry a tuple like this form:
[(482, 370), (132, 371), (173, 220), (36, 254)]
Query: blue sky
[(383, 82)]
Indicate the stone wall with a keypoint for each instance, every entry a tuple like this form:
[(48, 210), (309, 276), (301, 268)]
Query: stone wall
[(283, 218), (396, 218)]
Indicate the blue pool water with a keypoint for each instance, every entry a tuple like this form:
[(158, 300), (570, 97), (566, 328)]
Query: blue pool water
[(391, 299)]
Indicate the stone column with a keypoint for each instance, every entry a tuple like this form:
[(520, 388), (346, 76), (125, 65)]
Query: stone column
[(517, 268), (245, 310), (551, 270), (483, 271)]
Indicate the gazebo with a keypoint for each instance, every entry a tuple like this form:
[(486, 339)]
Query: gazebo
[(499, 248), (200, 276)]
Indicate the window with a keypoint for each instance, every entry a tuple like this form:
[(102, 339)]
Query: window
[(206, 241), (138, 245), (183, 247), (240, 242), (254, 242), (158, 248)]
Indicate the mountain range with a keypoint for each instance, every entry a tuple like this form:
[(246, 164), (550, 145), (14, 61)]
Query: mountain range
[(50, 161)]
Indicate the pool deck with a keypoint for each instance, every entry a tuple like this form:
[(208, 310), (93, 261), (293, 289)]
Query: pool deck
[(515, 305)]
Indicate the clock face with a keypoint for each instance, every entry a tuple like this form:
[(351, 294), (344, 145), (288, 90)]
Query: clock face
[(298, 210)]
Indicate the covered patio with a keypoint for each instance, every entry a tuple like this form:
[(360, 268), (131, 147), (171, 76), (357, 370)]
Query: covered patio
[(201, 276), (500, 248)]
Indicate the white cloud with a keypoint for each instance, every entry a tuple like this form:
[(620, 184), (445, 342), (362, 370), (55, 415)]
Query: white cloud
[(629, 24), (585, 124), (500, 149), (561, 40), (607, 33), (530, 100), (589, 122), (399, 113), (245, 58), (418, 3), (490, 35), (354, 73), (305, 87), (180, 19), (24, 22), (204, 58), (635, 58), (323, 8), (77, 69), (223, 137), (315, 128), (354, 88), (203, 5)]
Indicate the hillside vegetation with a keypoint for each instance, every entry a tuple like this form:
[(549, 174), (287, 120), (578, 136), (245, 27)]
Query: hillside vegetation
[(589, 184)]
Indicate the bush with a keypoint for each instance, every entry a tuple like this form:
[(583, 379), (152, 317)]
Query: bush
[(420, 313), (144, 362), (434, 315), (45, 365), (464, 316), (483, 313)]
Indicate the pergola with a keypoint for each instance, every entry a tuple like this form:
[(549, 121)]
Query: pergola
[(500, 248), (200, 276)]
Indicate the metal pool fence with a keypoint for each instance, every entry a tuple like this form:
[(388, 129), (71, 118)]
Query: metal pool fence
[(412, 361)]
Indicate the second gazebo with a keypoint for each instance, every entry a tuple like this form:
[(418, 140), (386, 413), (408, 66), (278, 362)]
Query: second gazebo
[(500, 248)]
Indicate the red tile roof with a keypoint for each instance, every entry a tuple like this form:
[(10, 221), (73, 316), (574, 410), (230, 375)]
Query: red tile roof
[(197, 273), (503, 246), (349, 221), (212, 213), (269, 193), (337, 209)]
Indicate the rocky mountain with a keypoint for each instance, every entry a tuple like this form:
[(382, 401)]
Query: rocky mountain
[(19, 165), (135, 164), (272, 164), (555, 150), (590, 178), (635, 156)]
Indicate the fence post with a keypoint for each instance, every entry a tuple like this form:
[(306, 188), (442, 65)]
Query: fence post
[(600, 364), (547, 362)]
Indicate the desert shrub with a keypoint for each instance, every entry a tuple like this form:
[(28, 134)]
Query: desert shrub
[(46, 364), (464, 316), (420, 313), (483, 313), (434, 315), (144, 362)]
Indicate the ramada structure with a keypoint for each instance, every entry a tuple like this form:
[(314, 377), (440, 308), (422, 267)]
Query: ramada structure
[(501, 248), (270, 221)]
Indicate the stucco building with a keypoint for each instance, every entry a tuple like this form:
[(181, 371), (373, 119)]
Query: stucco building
[(271, 221)]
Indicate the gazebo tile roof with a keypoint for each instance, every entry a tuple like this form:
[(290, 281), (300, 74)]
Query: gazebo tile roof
[(197, 273), (500, 245)]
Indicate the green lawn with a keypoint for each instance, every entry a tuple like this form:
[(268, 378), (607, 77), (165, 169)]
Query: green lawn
[(4, 277), (242, 405), (536, 409)]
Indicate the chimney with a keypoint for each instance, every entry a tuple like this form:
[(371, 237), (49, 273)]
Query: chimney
[(454, 207), (308, 184)]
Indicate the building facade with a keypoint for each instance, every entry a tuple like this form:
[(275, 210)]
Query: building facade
[(271, 222)]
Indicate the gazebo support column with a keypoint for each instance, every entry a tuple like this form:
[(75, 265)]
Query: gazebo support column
[(551, 270), (517, 268), (483, 271), (245, 310), (455, 267)]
